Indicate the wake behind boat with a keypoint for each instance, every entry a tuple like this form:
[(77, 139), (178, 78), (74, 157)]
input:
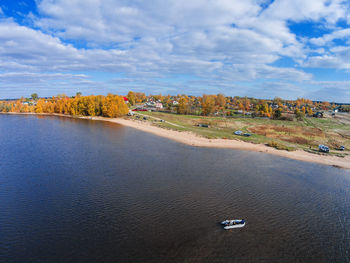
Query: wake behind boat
[(233, 223)]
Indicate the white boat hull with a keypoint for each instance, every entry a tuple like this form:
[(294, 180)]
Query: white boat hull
[(235, 223), (234, 226)]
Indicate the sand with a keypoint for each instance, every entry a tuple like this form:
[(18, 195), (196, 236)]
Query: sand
[(197, 141)]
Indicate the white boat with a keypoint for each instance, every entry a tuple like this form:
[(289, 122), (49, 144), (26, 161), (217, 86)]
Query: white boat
[(233, 223)]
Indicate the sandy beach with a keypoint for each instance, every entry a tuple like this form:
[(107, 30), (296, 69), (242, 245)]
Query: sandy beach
[(196, 141)]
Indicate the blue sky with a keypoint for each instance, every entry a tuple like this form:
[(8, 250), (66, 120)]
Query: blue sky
[(259, 48)]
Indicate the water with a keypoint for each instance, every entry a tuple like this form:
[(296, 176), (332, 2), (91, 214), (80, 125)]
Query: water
[(84, 191)]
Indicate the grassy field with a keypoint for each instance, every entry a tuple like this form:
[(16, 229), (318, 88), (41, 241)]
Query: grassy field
[(287, 135)]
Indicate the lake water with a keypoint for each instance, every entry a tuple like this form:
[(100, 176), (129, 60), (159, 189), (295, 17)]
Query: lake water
[(85, 191)]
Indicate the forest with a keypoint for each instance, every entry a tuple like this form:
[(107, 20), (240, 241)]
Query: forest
[(106, 106)]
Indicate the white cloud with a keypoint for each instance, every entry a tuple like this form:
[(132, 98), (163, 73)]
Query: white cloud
[(337, 91), (326, 39), (337, 57), (299, 10), (219, 42)]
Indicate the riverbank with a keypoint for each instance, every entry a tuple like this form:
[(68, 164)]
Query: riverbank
[(192, 139)]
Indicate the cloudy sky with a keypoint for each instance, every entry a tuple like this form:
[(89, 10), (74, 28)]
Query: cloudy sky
[(259, 48)]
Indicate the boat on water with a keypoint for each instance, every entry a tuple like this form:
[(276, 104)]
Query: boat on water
[(233, 223)]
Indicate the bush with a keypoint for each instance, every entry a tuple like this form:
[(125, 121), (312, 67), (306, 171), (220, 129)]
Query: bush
[(299, 114), (279, 146), (277, 114)]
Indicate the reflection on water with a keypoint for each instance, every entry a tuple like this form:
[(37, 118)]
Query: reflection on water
[(84, 191)]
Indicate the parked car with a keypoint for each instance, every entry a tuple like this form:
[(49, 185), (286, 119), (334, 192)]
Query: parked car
[(342, 148), (247, 135), (323, 148), (238, 132)]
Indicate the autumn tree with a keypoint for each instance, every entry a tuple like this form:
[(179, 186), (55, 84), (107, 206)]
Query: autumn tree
[(183, 107), (208, 104), (39, 106), (299, 114), (140, 97), (131, 98), (309, 111), (220, 102)]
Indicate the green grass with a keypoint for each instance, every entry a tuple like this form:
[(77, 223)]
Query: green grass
[(286, 135)]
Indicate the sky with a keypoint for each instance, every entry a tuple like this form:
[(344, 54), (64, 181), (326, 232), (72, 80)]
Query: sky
[(254, 48)]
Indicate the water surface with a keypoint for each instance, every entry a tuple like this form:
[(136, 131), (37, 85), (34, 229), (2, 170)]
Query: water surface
[(86, 191)]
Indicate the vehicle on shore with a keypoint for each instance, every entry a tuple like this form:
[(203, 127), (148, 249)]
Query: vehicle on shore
[(323, 148), (240, 133), (342, 148), (233, 223)]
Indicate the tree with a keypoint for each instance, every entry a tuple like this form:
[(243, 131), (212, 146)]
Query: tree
[(220, 101), (34, 96), (208, 104), (78, 94), (299, 114), (277, 114), (39, 106), (140, 97), (303, 110), (309, 111), (183, 107), (131, 97)]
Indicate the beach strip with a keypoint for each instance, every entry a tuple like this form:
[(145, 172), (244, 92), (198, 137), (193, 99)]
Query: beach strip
[(197, 141)]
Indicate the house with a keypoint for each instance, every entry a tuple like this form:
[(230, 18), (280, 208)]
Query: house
[(159, 105), (126, 100)]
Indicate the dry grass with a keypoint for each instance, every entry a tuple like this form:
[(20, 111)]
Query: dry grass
[(296, 134), (296, 130), (298, 140)]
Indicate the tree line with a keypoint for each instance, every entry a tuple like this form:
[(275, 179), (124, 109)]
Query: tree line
[(228, 106), (106, 106), (114, 105)]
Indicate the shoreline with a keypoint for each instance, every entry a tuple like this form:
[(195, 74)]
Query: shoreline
[(192, 139)]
